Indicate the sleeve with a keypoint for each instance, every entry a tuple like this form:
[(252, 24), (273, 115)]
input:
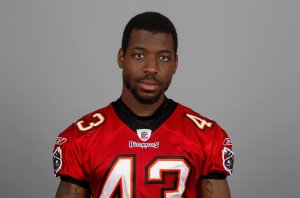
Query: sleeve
[(68, 157), (219, 155)]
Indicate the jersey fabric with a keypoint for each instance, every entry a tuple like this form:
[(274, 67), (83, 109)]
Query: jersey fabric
[(114, 153)]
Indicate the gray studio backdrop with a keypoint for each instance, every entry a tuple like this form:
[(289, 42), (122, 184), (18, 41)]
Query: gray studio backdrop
[(239, 65)]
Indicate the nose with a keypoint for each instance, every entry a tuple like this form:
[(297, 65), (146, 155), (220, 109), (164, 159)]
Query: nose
[(151, 65)]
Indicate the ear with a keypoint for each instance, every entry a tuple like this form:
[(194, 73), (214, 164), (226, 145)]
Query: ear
[(120, 58)]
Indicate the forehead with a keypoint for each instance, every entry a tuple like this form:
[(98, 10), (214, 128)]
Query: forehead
[(140, 38)]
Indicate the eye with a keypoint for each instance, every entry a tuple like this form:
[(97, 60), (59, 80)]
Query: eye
[(164, 58), (138, 55)]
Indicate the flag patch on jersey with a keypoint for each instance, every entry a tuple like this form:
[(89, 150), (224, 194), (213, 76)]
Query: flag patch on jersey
[(60, 140), (228, 158), (57, 160), (227, 141), (144, 134)]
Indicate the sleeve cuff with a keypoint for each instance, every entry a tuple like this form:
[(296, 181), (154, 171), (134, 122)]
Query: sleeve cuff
[(72, 180), (214, 175)]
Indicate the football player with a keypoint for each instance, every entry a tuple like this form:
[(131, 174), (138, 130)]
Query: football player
[(144, 144)]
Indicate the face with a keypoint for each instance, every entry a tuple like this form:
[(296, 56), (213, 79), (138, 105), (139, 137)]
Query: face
[(148, 65)]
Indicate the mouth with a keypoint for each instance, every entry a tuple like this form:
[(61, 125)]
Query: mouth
[(148, 85)]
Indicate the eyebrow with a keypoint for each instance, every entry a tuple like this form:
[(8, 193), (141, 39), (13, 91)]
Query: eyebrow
[(138, 48), (161, 51)]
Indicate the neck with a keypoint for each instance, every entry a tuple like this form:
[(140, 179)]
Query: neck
[(138, 108)]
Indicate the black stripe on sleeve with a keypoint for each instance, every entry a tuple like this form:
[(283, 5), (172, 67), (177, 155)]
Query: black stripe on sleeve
[(214, 175), (80, 183)]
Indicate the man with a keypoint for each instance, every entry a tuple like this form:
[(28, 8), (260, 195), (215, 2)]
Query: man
[(144, 144)]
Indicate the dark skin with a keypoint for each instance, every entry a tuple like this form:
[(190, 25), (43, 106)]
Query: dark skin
[(68, 190), (214, 188), (148, 54), (148, 65)]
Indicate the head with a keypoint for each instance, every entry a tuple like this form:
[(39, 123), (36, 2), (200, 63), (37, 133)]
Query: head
[(153, 22), (148, 57)]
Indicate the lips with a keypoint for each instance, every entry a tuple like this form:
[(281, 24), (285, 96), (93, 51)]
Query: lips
[(148, 85)]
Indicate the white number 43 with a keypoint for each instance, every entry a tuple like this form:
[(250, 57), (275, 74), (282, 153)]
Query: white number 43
[(122, 171)]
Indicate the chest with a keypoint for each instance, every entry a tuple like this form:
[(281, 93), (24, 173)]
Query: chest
[(160, 164)]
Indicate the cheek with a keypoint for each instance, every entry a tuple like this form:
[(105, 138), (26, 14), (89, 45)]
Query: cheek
[(130, 75), (167, 74), (133, 67)]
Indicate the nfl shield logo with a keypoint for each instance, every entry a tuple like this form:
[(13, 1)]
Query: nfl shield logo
[(144, 134)]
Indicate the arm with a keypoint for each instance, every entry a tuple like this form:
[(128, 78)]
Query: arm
[(214, 188), (69, 190)]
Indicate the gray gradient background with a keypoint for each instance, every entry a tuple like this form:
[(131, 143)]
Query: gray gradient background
[(239, 65)]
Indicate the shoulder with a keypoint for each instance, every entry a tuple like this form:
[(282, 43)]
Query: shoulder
[(86, 125), (189, 116), (197, 122)]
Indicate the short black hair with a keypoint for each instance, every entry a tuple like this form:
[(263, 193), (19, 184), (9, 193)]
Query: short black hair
[(153, 22)]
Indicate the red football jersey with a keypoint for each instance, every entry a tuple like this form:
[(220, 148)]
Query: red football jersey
[(102, 153)]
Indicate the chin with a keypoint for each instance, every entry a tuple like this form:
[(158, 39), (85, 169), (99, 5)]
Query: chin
[(147, 98)]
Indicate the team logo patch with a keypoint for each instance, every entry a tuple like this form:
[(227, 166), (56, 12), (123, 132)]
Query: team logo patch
[(143, 145), (144, 134), (228, 158), (60, 140), (227, 141), (57, 160)]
